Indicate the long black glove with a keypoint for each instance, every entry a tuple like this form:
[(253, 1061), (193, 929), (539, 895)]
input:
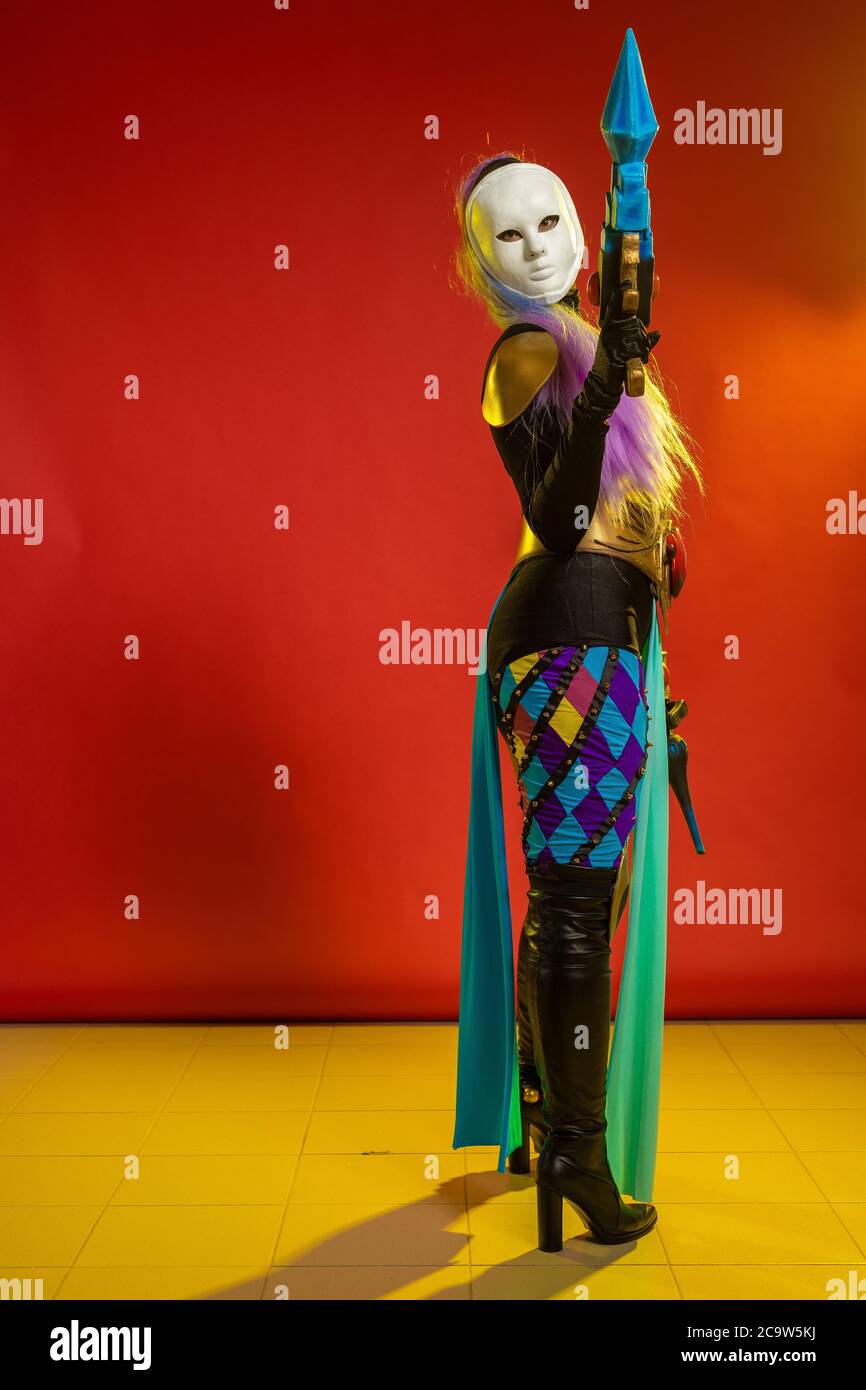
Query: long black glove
[(557, 474), (621, 337)]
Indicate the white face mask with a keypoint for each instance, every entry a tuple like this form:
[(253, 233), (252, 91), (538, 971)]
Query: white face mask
[(543, 246)]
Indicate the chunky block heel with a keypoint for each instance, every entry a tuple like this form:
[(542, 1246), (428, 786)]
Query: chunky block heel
[(591, 1192), (549, 1206)]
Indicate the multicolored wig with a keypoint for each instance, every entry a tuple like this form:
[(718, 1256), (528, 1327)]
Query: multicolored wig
[(647, 455)]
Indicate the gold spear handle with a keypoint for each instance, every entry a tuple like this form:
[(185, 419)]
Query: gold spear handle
[(629, 262)]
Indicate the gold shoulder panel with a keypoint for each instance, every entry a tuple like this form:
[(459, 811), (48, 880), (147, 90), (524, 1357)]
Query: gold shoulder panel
[(523, 363)]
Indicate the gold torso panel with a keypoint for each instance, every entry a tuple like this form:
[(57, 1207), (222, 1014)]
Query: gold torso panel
[(605, 538)]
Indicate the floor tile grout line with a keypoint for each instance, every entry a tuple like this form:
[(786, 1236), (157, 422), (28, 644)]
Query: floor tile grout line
[(493, 1204), (860, 1244), (370, 1109), (734, 1063), (312, 1109), (380, 1204), (814, 1180), (661, 1239), (764, 1108), (117, 1187), (794, 1151), (838, 1022), (34, 1081), (470, 1264), (79, 1029), (297, 1165)]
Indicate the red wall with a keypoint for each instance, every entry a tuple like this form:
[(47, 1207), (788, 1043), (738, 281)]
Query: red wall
[(305, 388)]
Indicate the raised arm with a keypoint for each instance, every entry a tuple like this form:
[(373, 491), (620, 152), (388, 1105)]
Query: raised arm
[(557, 474)]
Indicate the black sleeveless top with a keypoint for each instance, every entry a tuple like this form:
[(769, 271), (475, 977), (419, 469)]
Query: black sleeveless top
[(568, 596)]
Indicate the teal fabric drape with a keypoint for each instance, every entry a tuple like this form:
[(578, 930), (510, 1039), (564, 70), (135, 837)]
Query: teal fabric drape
[(634, 1072), (488, 1104), (488, 1097)]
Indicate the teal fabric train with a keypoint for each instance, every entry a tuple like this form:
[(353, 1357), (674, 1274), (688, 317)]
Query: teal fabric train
[(488, 1101)]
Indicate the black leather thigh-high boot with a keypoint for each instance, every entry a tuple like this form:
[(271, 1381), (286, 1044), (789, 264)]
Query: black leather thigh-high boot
[(570, 1016)]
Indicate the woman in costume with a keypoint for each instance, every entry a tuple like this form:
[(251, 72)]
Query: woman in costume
[(574, 677)]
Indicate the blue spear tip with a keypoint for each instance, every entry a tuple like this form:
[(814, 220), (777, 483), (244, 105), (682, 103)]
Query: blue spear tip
[(628, 122)]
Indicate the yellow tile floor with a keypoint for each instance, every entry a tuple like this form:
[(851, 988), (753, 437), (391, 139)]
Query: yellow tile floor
[(204, 1162)]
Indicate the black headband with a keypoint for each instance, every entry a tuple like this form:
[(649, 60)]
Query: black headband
[(488, 169)]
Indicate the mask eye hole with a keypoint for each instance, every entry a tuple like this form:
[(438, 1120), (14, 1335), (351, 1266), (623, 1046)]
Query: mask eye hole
[(511, 234), (548, 223)]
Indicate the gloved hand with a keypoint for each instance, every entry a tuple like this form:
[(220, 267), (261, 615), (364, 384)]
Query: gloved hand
[(621, 337)]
